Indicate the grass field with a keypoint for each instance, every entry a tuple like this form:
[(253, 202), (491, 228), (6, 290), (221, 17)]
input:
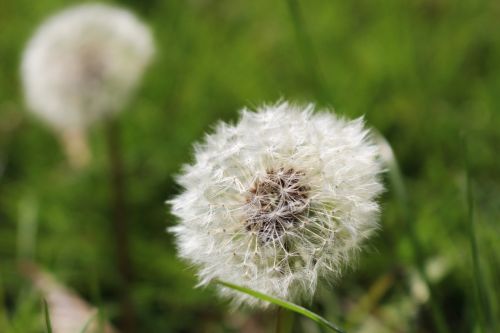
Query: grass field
[(425, 73)]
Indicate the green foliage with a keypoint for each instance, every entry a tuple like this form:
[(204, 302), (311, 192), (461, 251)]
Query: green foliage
[(486, 317), (420, 71)]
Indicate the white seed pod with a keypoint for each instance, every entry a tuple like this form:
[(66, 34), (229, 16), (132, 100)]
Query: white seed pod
[(278, 201), (83, 63)]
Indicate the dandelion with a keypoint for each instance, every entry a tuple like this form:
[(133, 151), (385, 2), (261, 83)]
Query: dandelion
[(82, 65), (279, 201)]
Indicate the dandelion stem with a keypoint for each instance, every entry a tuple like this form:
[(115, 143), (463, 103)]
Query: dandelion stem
[(119, 224), (308, 52), (401, 194), (27, 228)]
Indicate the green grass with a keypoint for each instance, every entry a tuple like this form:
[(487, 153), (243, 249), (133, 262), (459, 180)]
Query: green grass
[(420, 71), (484, 311)]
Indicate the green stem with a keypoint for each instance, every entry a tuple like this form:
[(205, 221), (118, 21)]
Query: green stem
[(119, 224), (27, 228)]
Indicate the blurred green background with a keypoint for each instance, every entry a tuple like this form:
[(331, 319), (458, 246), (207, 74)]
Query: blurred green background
[(423, 72)]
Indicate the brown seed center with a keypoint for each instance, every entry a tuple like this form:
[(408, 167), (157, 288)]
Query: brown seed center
[(276, 202)]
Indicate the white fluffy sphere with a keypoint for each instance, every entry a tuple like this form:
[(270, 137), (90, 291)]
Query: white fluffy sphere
[(83, 63), (278, 201)]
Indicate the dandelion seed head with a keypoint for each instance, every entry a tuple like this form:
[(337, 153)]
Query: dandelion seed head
[(278, 201), (83, 63)]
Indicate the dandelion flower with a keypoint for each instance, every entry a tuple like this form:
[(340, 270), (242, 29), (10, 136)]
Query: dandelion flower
[(279, 201), (83, 63)]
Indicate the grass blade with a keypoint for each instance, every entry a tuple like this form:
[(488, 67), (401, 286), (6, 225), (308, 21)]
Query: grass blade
[(47, 316), (89, 321), (483, 305), (284, 304)]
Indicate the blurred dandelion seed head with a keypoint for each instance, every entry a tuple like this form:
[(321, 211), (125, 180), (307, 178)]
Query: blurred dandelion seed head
[(278, 201), (83, 64)]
